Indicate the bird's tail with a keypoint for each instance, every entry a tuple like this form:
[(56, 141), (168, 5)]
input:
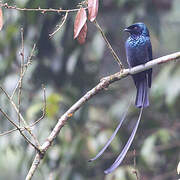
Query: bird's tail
[(142, 94)]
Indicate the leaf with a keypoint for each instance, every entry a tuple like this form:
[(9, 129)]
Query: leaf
[(52, 105), (80, 21), (1, 19), (92, 9), (82, 35)]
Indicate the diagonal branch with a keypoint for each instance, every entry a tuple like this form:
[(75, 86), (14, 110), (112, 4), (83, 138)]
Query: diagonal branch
[(109, 45), (104, 83)]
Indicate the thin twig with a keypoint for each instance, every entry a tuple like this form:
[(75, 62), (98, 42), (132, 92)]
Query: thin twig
[(42, 10), (29, 61), (44, 108), (109, 45), (135, 171), (8, 132), (34, 123), (60, 25), (105, 82), (14, 105), (20, 115), (14, 124), (21, 74)]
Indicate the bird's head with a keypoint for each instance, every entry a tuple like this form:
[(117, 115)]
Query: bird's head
[(138, 29)]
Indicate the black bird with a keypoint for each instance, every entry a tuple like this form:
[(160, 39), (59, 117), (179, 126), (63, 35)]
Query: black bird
[(139, 51)]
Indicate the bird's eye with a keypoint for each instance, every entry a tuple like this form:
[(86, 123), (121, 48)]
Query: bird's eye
[(135, 28)]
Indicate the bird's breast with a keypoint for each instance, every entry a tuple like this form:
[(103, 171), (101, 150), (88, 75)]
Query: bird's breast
[(137, 42), (136, 50)]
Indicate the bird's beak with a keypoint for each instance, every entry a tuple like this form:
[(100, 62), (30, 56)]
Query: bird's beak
[(127, 30)]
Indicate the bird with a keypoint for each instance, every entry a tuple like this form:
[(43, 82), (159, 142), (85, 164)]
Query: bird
[(139, 51)]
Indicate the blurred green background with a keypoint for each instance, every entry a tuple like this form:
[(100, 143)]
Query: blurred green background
[(68, 70)]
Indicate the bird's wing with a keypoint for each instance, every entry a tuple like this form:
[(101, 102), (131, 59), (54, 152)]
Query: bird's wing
[(149, 47), (149, 51)]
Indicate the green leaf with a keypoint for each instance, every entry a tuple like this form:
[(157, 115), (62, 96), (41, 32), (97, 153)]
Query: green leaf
[(52, 106)]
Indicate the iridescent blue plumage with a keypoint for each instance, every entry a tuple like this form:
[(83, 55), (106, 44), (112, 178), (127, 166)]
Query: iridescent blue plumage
[(139, 51)]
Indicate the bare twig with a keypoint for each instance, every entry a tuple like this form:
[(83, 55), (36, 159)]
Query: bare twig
[(42, 10), (22, 50), (21, 74), (16, 108), (14, 124), (60, 25), (29, 61), (34, 123), (8, 132), (14, 105), (105, 82), (109, 45), (44, 108), (135, 171)]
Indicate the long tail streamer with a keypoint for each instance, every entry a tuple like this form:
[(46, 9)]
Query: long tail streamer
[(123, 153), (125, 149), (112, 137)]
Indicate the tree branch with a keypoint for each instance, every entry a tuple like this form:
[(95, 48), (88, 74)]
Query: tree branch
[(41, 10), (108, 45), (104, 83)]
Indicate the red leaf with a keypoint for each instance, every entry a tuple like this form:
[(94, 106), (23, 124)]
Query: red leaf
[(1, 19), (80, 21), (82, 34), (92, 9)]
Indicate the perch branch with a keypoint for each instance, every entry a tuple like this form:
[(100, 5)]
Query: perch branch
[(41, 10), (104, 83)]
